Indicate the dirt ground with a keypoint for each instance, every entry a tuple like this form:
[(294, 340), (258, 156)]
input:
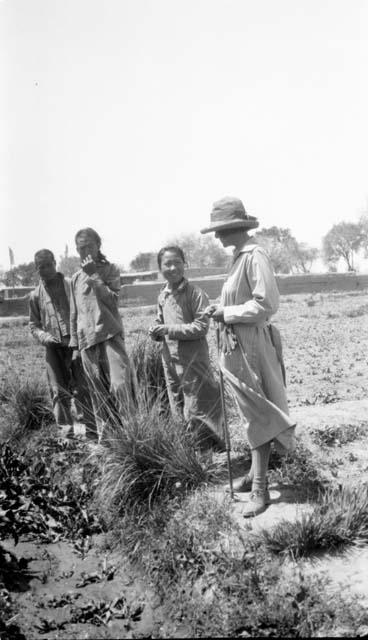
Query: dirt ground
[(326, 355), (74, 596), (347, 570)]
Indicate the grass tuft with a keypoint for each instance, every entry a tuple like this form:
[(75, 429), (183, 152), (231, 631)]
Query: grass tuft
[(339, 519), (148, 456), (28, 401), (146, 357)]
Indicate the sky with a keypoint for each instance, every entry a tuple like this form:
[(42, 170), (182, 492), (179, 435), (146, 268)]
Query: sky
[(134, 116)]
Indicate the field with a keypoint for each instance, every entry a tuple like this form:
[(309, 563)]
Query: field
[(189, 564)]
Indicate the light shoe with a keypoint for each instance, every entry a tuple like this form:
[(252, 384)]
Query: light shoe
[(66, 431), (244, 485), (256, 505)]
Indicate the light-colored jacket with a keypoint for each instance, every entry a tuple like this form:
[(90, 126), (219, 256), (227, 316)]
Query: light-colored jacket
[(253, 368), (94, 312), (43, 319), (250, 294)]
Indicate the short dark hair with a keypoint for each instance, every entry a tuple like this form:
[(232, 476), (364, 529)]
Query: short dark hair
[(174, 249), (88, 231), (43, 254)]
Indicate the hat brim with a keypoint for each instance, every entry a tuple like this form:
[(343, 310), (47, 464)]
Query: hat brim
[(234, 224)]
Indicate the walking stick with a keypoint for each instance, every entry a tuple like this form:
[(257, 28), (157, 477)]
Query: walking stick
[(225, 425)]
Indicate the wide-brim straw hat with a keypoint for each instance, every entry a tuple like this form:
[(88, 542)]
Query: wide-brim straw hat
[(229, 213)]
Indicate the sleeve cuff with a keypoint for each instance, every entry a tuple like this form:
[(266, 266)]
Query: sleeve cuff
[(229, 315)]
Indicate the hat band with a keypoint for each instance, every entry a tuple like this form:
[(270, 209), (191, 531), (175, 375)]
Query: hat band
[(220, 215)]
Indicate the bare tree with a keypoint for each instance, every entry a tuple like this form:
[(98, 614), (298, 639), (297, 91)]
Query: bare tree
[(304, 257), (343, 241), (286, 253)]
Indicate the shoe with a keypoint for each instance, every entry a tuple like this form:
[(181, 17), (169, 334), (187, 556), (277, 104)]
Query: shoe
[(256, 505), (244, 485), (66, 431)]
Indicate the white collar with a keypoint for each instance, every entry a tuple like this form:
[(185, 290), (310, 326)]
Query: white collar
[(248, 246)]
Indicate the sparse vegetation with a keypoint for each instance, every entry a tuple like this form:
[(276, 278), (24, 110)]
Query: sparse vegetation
[(338, 519), (217, 580), (298, 470), (337, 435), (154, 494)]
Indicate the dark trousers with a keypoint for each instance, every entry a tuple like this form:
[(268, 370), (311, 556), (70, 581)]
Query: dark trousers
[(67, 380)]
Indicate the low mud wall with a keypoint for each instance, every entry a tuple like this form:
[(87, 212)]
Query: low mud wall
[(14, 307), (145, 293), (319, 282)]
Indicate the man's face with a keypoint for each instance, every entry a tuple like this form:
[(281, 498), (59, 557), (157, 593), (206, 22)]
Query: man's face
[(87, 247), (227, 237), (46, 268)]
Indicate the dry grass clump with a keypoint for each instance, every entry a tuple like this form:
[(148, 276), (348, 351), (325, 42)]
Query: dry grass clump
[(340, 518), (146, 357), (28, 403), (149, 455)]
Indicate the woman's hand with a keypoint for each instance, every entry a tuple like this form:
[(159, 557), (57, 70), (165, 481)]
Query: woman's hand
[(216, 312), (158, 331), (89, 266)]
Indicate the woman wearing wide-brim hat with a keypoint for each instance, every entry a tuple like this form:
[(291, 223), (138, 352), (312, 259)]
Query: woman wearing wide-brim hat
[(251, 355)]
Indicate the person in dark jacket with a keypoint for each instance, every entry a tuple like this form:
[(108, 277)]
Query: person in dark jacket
[(49, 322)]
